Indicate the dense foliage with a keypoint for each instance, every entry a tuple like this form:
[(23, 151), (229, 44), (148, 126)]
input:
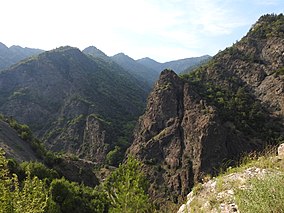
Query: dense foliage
[(126, 188), (31, 196), (40, 190), (235, 105)]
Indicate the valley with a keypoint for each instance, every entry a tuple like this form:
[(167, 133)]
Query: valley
[(120, 126)]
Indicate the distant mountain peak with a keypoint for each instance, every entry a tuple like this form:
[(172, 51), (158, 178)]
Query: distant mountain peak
[(147, 59), (121, 55), (95, 52), (14, 54), (65, 48), (3, 46), (176, 65)]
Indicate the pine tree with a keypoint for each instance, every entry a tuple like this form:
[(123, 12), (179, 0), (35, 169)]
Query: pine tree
[(126, 188)]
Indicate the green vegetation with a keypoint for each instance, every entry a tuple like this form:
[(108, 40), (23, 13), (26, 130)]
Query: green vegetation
[(255, 185), (78, 87), (30, 196), (126, 188), (40, 190), (235, 105), (122, 131), (24, 132), (264, 195), (279, 71), (71, 197), (39, 170), (268, 26)]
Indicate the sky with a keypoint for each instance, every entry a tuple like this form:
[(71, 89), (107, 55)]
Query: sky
[(163, 30)]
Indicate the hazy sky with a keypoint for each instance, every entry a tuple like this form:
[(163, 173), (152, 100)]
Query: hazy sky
[(161, 29)]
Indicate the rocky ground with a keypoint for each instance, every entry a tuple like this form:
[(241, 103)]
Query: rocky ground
[(218, 193)]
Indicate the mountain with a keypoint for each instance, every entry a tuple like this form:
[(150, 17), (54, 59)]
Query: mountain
[(14, 54), (177, 65), (150, 63), (146, 69), (74, 103), (96, 53), (148, 75), (19, 145), (198, 123), (14, 146)]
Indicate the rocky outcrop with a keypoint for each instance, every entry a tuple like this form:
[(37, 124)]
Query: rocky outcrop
[(77, 170), (219, 194), (181, 137), (196, 124), (280, 150)]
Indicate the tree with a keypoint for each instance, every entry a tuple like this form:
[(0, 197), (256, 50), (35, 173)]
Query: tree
[(32, 197), (126, 188), (71, 197)]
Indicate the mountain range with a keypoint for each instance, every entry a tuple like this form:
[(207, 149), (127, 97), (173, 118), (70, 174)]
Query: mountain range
[(13, 54), (193, 122), (178, 66), (69, 100)]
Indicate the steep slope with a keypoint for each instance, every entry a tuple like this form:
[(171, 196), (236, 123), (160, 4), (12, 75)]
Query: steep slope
[(256, 185), (148, 75), (75, 103), (142, 76), (13, 145), (179, 66), (19, 144), (197, 123), (12, 55)]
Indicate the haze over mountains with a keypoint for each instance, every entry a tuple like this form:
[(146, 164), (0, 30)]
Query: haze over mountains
[(12, 55), (85, 104), (95, 107)]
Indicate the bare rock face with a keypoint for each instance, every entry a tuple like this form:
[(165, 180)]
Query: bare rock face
[(77, 170), (94, 145), (180, 137), (196, 124), (281, 150)]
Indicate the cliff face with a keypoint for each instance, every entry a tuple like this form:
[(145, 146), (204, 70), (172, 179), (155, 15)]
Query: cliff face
[(197, 123)]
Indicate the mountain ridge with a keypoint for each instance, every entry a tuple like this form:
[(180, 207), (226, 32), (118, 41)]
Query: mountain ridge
[(140, 71), (70, 101), (14, 54), (194, 123), (179, 65)]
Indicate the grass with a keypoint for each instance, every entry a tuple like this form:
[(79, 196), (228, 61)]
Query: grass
[(264, 195)]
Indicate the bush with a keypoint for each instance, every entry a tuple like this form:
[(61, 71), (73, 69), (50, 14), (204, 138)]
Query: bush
[(71, 197), (39, 170), (32, 196)]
